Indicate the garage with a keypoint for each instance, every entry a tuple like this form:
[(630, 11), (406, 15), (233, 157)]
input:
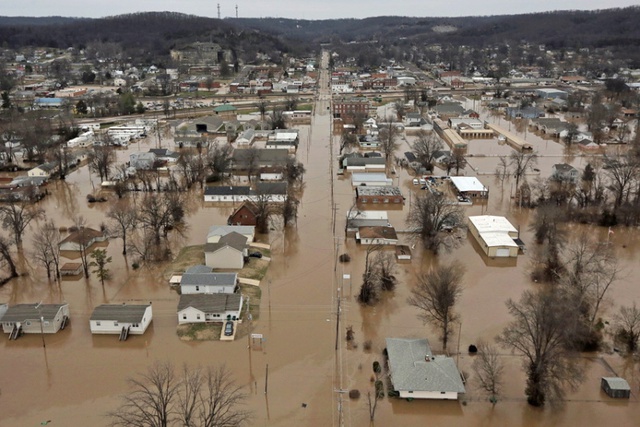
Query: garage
[(503, 252)]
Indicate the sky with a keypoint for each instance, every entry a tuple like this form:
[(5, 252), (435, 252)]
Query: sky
[(300, 9)]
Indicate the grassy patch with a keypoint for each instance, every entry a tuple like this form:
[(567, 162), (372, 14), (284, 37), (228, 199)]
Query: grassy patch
[(254, 295), (187, 257), (255, 268), (200, 331)]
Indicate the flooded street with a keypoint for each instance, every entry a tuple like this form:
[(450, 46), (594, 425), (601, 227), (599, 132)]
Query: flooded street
[(77, 377)]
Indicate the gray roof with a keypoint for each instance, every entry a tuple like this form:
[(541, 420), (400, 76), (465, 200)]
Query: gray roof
[(232, 240), (411, 371), (238, 190), (198, 269), (563, 167), (271, 188), (363, 161), (617, 383), (210, 303), (222, 230), (22, 312), (210, 279), (119, 312)]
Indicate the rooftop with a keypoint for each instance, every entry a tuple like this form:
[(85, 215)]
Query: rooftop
[(120, 312), (22, 312), (468, 183), (210, 303)]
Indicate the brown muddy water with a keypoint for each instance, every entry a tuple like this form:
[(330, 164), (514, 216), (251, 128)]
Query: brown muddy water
[(78, 377)]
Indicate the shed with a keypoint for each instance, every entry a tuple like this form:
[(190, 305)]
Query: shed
[(495, 235), (616, 387)]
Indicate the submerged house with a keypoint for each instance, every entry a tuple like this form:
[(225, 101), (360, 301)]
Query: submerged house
[(121, 319), (201, 308), (416, 373), (34, 318)]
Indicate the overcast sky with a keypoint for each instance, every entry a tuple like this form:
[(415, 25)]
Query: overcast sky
[(303, 9)]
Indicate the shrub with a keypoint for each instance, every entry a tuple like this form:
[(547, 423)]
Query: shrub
[(379, 389), (367, 345), (473, 349), (135, 266), (354, 394), (345, 258), (376, 367)]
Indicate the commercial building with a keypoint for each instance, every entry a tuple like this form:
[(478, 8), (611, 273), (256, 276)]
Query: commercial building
[(495, 235)]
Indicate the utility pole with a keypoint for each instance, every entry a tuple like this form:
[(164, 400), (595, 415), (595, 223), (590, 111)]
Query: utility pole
[(338, 320), (41, 323), (236, 11), (266, 379), (218, 10)]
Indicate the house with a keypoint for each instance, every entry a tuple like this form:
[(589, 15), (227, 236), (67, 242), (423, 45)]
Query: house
[(218, 231), (364, 164), (121, 319), (564, 172), (246, 138), (417, 374), (469, 187), (495, 235), (226, 111), (448, 109), (371, 179), (229, 252), (71, 269), (246, 214), (201, 279), (272, 173), (44, 170), (227, 193), (243, 159), (616, 387), (142, 161), (82, 238), (165, 155), (377, 235), (524, 113), (369, 141), (412, 119), (200, 308), (588, 145), (379, 195), (403, 253), (357, 218), (273, 192), (34, 318)]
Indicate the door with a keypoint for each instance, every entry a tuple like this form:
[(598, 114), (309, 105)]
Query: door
[(501, 253)]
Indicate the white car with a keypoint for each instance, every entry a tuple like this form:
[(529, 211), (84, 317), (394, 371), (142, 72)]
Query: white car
[(415, 181)]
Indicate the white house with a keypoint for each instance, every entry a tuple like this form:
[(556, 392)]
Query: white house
[(84, 237), (228, 252), (200, 279), (44, 170), (564, 172), (34, 318), (416, 373), (377, 235), (120, 319), (217, 231), (495, 235), (371, 179), (200, 308)]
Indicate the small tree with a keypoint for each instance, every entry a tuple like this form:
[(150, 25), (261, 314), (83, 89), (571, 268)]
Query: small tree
[(432, 217), (100, 261), (628, 323), (436, 294), (46, 248), (17, 216), (124, 220), (489, 370)]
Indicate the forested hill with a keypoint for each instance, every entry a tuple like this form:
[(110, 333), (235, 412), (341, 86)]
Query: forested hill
[(143, 35), (610, 27)]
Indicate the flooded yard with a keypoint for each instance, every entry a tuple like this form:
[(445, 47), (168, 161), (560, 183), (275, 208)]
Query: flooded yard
[(77, 377)]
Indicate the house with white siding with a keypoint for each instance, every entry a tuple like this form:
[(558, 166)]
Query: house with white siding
[(201, 308), (121, 319), (217, 231), (34, 318), (417, 373), (200, 279), (228, 253)]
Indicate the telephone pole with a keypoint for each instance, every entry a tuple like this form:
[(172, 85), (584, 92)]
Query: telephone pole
[(218, 10), (236, 11)]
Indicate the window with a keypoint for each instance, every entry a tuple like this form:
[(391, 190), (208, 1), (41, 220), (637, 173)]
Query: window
[(115, 323), (184, 317), (198, 316), (98, 323), (411, 391), (46, 323), (442, 392), (197, 288)]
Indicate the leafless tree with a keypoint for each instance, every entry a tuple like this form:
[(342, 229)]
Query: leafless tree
[(16, 217), (264, 209), (542, 331), (521, 162), (7, 257), (46, 248), (436, 294), (372, 405), (219, 159), (262, 106), (370, 290), (123, 220), (628, 324), (622, 173), (458, 159), (388, 138), (432, 218), (348, 140), (251, 161), (160, 213), (385, 268), (79, 223), (502, 170), (198, 397), (293, 171), (425, 147), (192, 168), (101, 160), (489, 370), (290, 209)]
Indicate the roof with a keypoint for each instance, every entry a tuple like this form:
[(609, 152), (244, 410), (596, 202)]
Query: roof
[(270, 188), (468, 183), (70, 266), (198, 269), (233, 240), (224, 108), (83, 235), (378, 232), (222, 230), (494, 230), (22, 312), (563, 167), (617, 383), (208, 279), (227, 190), (363, 161), (120, 312), (414, 368), (378, 191), (370, 177), (210, 303)]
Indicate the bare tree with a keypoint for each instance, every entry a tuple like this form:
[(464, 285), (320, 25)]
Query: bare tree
[(622, 173), (628, 324), (385, 267), (489, 370), (123, 220), (290, 209), (369, 291), (46, 248), (198, 397), (521, 162), (458, 159), (264, 210), (101, 160), (219, 159), (549, 234), (7, 257), (262, 106), (83, 242), (251, 161), (17, 216), (425, 147), (192, 168), (432, 218), (435, 296), (542, 331), (348, 140), (502, 170), (388, 138)]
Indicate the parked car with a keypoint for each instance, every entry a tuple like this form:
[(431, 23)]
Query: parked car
[(255, 255), (228, 328), (415, 181)]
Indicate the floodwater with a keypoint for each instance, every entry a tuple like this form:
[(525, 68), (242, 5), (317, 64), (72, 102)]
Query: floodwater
[(77, 378)]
